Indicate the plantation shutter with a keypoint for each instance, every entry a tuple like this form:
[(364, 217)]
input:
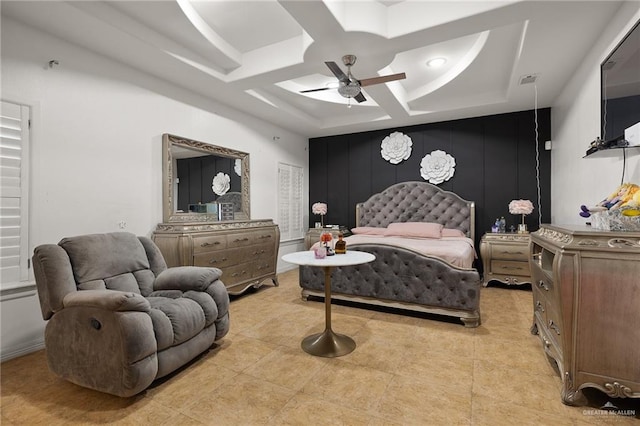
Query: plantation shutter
[(14, 208), (290, 193)]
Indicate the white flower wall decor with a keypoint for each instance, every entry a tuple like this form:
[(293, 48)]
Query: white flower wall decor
[(221, 183), (396, 147), (237, 167), (437, 167)]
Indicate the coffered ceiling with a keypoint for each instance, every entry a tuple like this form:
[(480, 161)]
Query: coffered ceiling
[(256, 56)]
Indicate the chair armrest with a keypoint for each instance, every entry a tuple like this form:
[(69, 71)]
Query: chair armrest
[(186, 278), (111, 300)]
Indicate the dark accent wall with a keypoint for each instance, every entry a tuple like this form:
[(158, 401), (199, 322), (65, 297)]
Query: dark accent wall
[(495, 163), (196, 177)]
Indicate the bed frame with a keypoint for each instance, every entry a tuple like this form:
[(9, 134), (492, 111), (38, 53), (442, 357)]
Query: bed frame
[(403, 278)]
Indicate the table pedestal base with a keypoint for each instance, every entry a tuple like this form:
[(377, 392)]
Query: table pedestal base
[(328, 344)]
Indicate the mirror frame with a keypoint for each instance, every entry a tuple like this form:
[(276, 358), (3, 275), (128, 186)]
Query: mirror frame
[(168, 214)]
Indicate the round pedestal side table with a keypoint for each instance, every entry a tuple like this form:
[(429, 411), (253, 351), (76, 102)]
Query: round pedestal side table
[(328, 344)]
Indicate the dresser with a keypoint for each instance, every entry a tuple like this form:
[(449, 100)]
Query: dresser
[(586, 308), (505, 258), (246, 251)]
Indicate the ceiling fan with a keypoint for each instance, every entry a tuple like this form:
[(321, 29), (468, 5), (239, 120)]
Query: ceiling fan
[(349, 87)]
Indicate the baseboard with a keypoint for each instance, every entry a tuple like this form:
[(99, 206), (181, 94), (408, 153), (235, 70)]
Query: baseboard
[(287, 268), (10, 353)]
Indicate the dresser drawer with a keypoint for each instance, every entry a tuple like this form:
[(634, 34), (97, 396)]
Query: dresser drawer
[(263, 267), (539, 304), (548, 322), (260, 251), (240, 239), (553, 325), (510, 252), (544, 285), (549, 342), (209, 242), (263, 237), (510, 267), (236, 273), (219, 259)]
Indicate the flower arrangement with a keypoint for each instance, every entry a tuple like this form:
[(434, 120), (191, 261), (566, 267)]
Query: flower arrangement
[(325, 239), (523, 207), (321, 209), (437, 167), (396, 147)]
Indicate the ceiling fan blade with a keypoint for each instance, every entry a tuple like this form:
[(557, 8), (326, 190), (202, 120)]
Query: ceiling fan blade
[(382, 79), (360, 97), (335, 69), (314, 90)]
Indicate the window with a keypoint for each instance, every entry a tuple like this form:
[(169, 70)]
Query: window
[(290, 202), (14, 191)]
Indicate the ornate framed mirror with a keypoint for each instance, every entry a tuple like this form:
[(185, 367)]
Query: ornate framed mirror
[(198, 177)]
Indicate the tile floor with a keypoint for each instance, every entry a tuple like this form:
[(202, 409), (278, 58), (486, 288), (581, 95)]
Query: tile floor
[(406, 370)]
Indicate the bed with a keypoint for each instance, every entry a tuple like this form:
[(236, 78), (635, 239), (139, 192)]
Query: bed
[(403, 276)]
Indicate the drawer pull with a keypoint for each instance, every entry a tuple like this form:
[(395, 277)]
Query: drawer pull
[(265, 236), (237, 274), (258, 252), (539, 306), (511, 252), (212, 261), (238, 240), (215, 243), (554, 327), (543, 285)]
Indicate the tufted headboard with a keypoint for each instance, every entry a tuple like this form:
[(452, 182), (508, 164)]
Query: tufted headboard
[(417, 202)]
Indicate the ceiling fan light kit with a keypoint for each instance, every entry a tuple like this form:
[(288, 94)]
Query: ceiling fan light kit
[(349, 90), (350, 87)]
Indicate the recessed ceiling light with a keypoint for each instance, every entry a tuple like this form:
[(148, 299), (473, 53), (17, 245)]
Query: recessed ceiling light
[(436, 62)]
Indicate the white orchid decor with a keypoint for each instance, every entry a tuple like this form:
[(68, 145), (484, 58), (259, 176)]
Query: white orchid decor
[(321, 209), (396, 147), (221, 183), (437, 167)]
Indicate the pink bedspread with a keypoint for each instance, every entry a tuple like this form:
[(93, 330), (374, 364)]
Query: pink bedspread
[(458, 251)]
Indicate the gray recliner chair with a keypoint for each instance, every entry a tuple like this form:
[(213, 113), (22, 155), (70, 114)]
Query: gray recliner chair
[(118, 318)]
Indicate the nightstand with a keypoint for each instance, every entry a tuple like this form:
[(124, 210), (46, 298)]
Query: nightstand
[(313, 234), (505, 258)]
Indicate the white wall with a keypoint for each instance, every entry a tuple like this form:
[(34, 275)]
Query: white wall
[(96, 150), (575, 122)]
